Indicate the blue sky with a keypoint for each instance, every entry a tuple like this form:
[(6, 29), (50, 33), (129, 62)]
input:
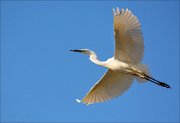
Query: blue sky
[(40, 78)]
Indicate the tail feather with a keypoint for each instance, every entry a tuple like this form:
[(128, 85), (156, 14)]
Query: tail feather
[(143, 68)]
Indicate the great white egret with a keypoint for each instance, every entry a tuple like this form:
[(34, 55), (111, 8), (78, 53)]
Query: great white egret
[(125, 65)]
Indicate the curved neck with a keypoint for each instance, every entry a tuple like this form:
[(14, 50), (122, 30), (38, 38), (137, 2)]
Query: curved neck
[(93, 58)]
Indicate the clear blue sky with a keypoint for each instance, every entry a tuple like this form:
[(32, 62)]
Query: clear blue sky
[(40, 78)]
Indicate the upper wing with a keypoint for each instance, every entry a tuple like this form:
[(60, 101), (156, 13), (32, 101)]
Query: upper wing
[(111, 85), (129, 44)]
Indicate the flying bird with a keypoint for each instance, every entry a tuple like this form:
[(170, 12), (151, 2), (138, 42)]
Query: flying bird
[(125, 65)]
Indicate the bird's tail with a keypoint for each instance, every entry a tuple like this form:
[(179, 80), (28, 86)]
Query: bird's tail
[(144, 69)]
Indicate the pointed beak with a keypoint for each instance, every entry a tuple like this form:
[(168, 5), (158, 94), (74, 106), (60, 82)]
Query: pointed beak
[(76, 51)]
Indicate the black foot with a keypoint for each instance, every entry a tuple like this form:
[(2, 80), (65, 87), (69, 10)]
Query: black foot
[(164, 85)]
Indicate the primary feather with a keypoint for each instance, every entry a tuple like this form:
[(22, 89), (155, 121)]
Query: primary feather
[(111, 85), (129, 44)]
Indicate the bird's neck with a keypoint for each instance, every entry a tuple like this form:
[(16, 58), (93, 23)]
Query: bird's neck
[(94, 59)]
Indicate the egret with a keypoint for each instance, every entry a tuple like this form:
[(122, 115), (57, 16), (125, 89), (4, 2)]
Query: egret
[(125, 66)]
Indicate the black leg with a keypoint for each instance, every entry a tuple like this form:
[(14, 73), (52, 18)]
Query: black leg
[(156, 81)]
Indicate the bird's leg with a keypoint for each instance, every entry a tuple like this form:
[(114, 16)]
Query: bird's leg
[(156, 81), (144, 76)]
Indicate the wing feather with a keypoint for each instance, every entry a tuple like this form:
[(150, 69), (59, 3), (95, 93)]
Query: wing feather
[(111, 85), (129, 44)]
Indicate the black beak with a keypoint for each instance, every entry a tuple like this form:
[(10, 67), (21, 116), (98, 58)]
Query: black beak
[(76, 51)]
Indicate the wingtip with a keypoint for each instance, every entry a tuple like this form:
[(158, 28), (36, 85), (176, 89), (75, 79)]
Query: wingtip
[(114, 12), (117, 10), (79, 101)]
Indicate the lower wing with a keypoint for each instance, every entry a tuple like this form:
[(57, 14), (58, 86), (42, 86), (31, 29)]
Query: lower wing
[(111, 85)]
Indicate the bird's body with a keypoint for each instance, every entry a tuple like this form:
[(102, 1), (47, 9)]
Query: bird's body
[(116, 65), (125, 65), (111, 63), (120, 67)]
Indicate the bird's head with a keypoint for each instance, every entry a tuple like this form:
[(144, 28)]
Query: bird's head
[(83, 51)]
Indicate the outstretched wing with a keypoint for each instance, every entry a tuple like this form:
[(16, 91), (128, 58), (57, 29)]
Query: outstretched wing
[(129, 44), (111, 85)]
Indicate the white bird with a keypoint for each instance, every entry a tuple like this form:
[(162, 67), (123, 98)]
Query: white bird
[(125, 65)]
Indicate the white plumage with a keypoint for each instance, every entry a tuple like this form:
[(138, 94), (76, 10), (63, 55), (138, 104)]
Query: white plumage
[(125, 65), (129, 45)]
